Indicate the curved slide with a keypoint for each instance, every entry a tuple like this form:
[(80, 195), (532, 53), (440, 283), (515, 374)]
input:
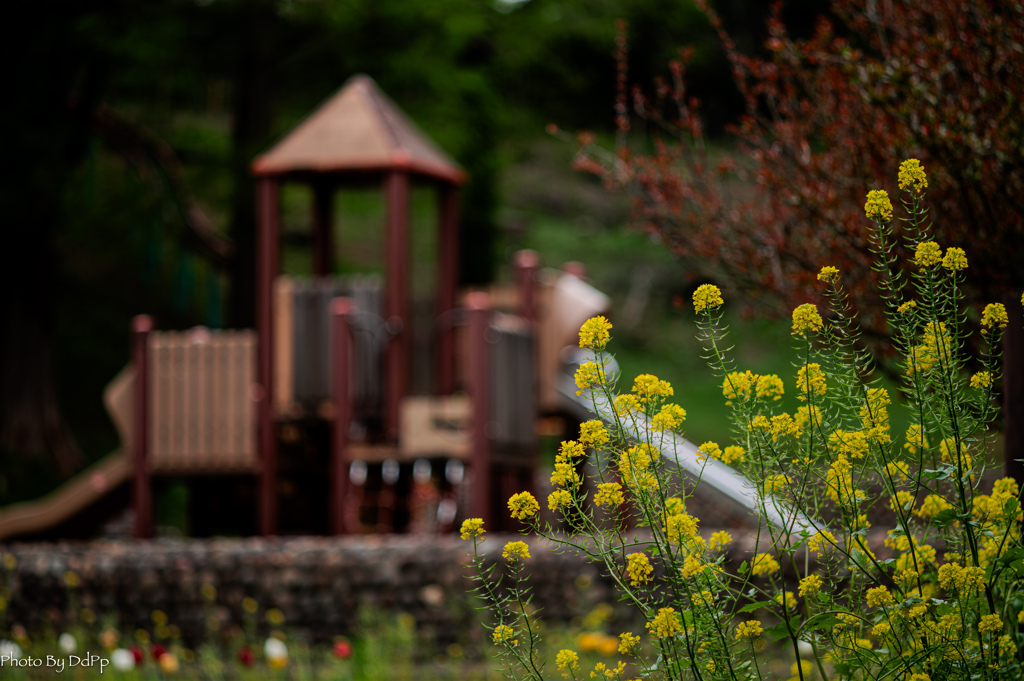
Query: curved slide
[(71, 498), (86, 488)]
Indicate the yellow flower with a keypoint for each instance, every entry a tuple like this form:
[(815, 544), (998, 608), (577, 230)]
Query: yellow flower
[(568, 662), (588, 376), (738, 385), (821, 541), (775, 483), (751, 629), (523, 505), (990, 624), (665, 624), (559, 499), (594, 333), (919, 677), (955, 259), (733, 453), (639, 568), (275, 617), (912, 175), (901, 500), (691, 567), (708, 450), (503, 633), (878, 205), (569, 450), (903, 308), (981, 380), (609, 494), (764, 564), (719, 539), (769, 386), (564, 475), (472, 527), (994, 315), (806, 318), (649, 388), (810, 379), (593, 433), (928, 254), (785, 599), (853, 445), (514, 550), (628, 642), (626, 403), (932, 505), (783, 425), (828, 274), (810, 585), (669, 418), (916, 438), (707, 297), (250, 605), (879, 596)]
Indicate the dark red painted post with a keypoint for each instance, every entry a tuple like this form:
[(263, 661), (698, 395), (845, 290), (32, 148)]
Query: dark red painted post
[(396, 269), (341, 310), (142, 325), (480, 397), (323, 223), (267, 263), (447, 282), (526, 264)]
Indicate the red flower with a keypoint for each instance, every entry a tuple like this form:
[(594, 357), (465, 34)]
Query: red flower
[(138, 654), (342, 648), (157, 651), (245, 656)]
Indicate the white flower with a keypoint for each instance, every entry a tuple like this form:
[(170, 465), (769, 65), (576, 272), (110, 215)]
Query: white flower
[(275, 649), (123, 660), (10, 649), (67, 643)]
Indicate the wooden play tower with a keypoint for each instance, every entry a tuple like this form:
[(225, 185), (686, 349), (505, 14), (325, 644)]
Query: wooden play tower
[(333, 356)]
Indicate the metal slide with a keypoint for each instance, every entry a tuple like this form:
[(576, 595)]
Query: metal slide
[(683, 453)]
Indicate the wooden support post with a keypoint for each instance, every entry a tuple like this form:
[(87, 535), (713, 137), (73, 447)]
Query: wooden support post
[(526, 263), (480, 396), (396, 185), (323, 228), (267, 265), (142, 325), (447, 283), (341, 380)]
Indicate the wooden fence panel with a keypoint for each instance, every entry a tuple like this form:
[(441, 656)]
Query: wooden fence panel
[(202, 415)]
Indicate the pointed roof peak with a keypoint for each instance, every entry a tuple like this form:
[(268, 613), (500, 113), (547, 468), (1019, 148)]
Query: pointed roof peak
[(358, 128)]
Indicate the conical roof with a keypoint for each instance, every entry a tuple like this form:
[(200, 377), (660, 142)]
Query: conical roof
[(359, 128)]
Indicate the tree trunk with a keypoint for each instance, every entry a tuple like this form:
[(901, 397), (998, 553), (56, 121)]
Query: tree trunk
[(253, 124)]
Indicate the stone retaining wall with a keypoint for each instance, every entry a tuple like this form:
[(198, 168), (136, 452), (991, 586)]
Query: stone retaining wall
[(320, 584)]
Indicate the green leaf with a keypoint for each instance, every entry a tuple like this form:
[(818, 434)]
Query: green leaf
[(821, 621), (945, 518), (1011, 506), (778, 633), (751, 607)]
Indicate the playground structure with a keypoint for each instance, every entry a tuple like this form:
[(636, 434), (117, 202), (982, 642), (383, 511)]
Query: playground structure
[(327, 368), (312, 414)]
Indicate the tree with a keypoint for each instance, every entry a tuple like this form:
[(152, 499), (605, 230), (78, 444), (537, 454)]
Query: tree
[(827, 118)]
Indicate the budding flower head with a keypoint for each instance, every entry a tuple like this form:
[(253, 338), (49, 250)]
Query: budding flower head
[(955, 259), (878, 206), (806, 318), (828, 274), (707, 297), (928, 254), (912, 175), (523, 505), (994, 315), (472, 527), (594, 333)]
